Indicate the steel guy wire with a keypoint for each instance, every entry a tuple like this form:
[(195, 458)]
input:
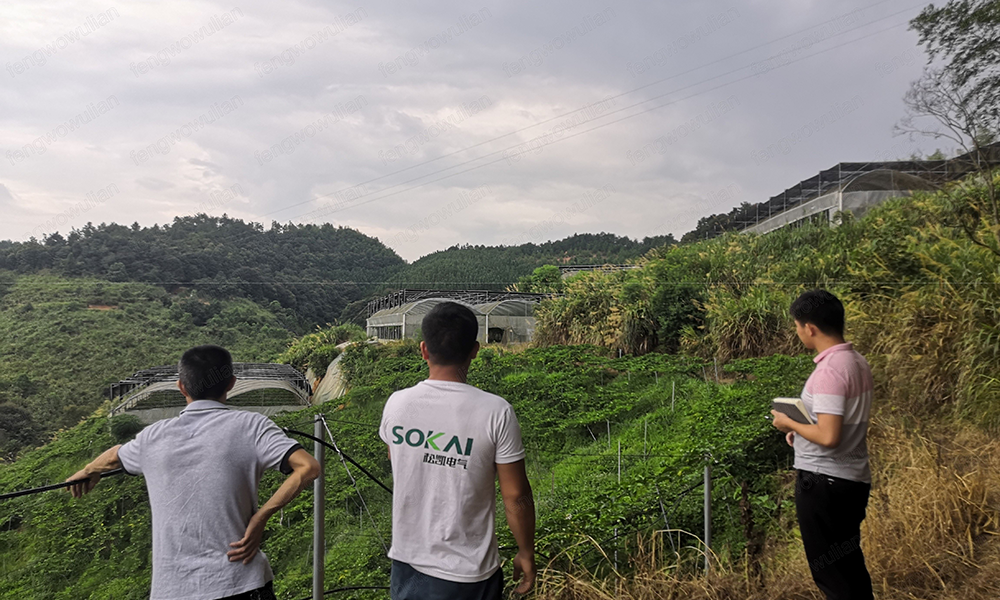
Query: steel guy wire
[(354, 483)]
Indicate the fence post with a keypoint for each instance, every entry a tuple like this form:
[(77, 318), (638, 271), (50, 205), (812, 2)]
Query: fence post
[(319, 521), (708, 511), (673, 394), (616, 548), (619, 462)]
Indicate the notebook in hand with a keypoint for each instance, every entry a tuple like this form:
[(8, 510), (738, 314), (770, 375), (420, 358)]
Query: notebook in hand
[(793, 408)]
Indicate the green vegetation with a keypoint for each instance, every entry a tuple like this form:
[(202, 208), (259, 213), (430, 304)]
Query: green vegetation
[(314, 271), (921, 299), (317, 350), (66, 340), (565, 397), (497, 267), (316, 274)]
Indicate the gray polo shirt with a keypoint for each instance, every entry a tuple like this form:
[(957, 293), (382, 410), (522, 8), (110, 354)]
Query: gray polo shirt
[(202, 470)]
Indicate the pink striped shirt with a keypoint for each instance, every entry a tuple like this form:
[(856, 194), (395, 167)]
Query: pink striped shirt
[(842, 385)]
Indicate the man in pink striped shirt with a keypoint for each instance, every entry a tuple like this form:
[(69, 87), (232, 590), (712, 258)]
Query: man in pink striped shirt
[(831, 455)]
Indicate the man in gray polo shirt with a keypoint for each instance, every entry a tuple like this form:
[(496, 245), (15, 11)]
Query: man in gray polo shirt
[(202, 470)]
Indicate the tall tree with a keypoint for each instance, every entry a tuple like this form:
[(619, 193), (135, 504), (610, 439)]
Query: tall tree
[(956, 100)]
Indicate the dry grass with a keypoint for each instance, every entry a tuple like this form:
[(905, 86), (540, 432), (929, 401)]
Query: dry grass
[(931, 533)]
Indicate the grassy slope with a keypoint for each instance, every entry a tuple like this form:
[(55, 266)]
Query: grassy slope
[(562, 392), (936, 492)]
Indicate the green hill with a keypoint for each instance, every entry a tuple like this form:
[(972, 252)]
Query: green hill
[(496, 267), (313, 270), (65, 340), (52, 546), (321, 273)]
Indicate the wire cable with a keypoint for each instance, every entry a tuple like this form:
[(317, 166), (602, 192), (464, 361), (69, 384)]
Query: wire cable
[(619, 95), (354, 483), (572, 135), (56, 486), (340, 452)]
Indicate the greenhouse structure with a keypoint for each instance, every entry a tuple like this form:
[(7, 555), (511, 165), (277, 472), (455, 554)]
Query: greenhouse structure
[(856, 187), (504, 317)]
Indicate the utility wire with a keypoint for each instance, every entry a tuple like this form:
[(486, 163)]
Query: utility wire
[(56, 486), (549, 143), (354, 483), (566, 114), (338, 451)]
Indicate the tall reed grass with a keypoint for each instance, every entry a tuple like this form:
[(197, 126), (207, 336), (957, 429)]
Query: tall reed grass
[(931, 533)]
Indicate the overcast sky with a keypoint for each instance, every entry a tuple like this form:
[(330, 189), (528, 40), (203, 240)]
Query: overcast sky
[(434, 124)]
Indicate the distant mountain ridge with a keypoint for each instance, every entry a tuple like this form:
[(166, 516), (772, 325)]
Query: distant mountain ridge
[(321, 273), (494, 267)]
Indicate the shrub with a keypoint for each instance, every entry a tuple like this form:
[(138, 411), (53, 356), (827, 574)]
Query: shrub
[(125, 427), (317, 350)]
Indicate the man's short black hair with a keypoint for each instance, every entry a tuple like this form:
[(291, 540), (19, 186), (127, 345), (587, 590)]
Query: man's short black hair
[(205, 371), (450, 331), (822, 309)]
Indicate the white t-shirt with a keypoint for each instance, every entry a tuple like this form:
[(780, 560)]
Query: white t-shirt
[(202, 470), (445, 439)]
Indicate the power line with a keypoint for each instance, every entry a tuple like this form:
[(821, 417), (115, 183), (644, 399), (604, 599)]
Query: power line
[(596, 127), (340, 452), (56, 486), (355, 484), (560, 116)]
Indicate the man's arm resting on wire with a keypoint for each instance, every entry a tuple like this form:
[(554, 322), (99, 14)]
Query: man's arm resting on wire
[(304, 470), (107, 461), (519, 505)]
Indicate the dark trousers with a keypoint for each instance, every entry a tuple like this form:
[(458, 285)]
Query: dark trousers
[(261, 593), (830, 511), (407, 583)]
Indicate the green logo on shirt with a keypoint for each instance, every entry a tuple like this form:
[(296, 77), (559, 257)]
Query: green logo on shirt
[(416, 438)]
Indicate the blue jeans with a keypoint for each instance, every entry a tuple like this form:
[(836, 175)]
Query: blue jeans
[(407, 583)]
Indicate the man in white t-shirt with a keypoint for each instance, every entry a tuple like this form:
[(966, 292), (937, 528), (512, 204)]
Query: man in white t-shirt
[(449, 442), (202, 470)]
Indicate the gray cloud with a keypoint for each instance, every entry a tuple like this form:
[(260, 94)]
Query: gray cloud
[(694, 56), (5, 196), (156, 185)]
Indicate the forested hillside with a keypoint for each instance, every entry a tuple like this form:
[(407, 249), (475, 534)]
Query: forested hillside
[(64, 340), (313, 270), (496, 267), (323, 274)]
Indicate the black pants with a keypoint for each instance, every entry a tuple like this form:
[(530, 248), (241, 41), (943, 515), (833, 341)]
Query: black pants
[(407, 583), (261, 593), (830, 511)]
